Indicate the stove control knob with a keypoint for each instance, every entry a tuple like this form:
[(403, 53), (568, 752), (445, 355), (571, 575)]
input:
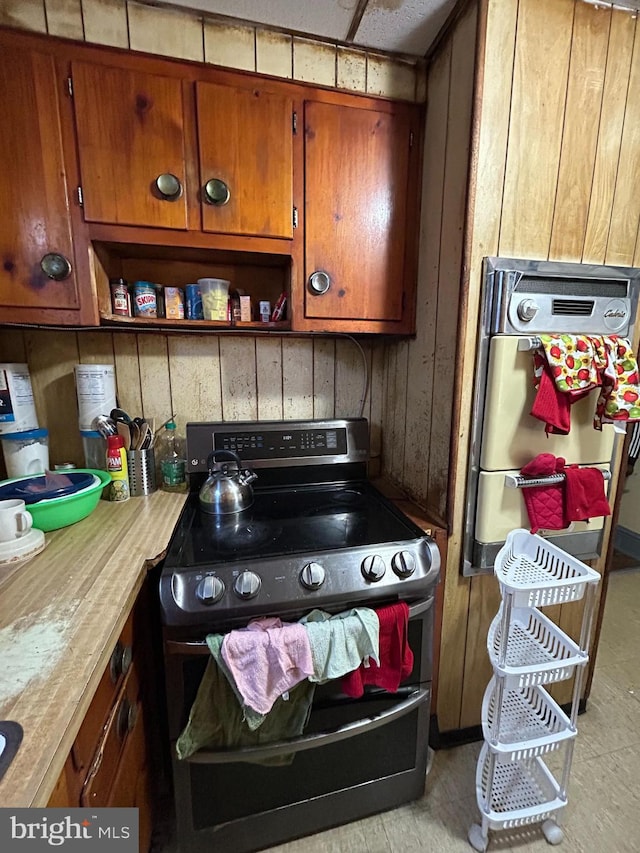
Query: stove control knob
[(403, 564), (527, 310), (312, 576), (373, 568), (210, 590), (247, 585)]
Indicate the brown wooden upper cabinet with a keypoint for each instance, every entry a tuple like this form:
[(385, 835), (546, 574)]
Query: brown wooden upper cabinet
[(360, 214), (135, 161), (37, 267), (245, 147), (131, 146)]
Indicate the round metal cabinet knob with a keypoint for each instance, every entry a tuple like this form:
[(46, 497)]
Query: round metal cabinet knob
[(210, 590), (126, 719), (247, 585), (373, 568), (120, 661), (169, 186), (527, 310), (319, 282), (403, 564), (216, 192), (312, 576), (55, 266)]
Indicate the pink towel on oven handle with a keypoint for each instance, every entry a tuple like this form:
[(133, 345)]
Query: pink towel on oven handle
[(266, 659)]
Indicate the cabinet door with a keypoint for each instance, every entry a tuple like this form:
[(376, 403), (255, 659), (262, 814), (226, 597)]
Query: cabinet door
[(34, 205), (356, 174), (130, 129), (245, 142), (121, 723), (132, 785)]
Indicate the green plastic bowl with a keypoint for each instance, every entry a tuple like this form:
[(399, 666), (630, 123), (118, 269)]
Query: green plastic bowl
[(63, 511)]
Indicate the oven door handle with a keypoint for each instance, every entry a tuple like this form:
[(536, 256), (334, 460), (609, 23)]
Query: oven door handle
[(313, 741), (200, 647)]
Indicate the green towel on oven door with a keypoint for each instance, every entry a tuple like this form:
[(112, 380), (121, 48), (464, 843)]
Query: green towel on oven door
[(217, 719), (340, 643)]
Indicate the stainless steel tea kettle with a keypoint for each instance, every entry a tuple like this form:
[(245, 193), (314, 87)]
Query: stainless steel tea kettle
[(226, 489)]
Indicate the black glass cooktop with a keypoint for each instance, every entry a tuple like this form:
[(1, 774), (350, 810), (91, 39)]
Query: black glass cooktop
[(296, 519)]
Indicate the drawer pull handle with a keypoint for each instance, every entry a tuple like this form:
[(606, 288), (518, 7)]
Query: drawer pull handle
[(120, 662), (127, 716)]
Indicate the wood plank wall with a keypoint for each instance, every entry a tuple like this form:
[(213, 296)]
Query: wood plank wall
[(184, 34), (553, 174), (201, 377)]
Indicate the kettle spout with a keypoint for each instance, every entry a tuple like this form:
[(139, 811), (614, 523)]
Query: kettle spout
[(247, 476)]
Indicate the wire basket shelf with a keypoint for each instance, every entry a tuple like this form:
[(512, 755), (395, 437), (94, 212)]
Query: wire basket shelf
[(539, 574), (537, 652), (515, 794), (525, 724)]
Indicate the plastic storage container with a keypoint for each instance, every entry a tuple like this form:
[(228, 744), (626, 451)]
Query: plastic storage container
[(215, 298), (94, 445), (26, 452), (51, 514)]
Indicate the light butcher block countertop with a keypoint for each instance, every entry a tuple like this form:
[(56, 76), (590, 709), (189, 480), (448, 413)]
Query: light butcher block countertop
[(60, 616)]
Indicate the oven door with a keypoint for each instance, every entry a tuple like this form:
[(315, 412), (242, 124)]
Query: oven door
[(511, 437), (355, 758)]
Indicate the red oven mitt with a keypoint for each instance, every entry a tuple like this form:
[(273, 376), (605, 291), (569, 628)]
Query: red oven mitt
[(546, 503), (396, 657)]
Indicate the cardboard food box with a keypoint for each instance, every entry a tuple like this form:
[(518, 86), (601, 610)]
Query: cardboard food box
[(245, 309)]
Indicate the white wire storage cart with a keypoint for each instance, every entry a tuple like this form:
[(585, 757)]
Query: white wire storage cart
[(521, 722)]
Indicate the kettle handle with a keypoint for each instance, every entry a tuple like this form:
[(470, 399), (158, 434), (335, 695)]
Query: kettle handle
[(227, 454)]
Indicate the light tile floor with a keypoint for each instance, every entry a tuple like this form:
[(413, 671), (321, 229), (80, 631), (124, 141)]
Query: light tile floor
[(603, 814)]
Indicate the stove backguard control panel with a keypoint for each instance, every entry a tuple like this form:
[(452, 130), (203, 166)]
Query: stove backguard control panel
[(281, 444), (271, 444)]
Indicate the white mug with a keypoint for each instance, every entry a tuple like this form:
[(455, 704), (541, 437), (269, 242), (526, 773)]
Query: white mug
[(15, 521)]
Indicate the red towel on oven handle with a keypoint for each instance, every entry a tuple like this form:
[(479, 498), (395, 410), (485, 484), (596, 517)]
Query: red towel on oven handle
[(585, 497), (396, 657), (550, 404)]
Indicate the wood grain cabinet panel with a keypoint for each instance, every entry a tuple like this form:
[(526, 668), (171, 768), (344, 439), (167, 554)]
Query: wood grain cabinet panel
[(245, 140), (356, 211), (130, 129), (84, 747), (34, 202), (109, 762)]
